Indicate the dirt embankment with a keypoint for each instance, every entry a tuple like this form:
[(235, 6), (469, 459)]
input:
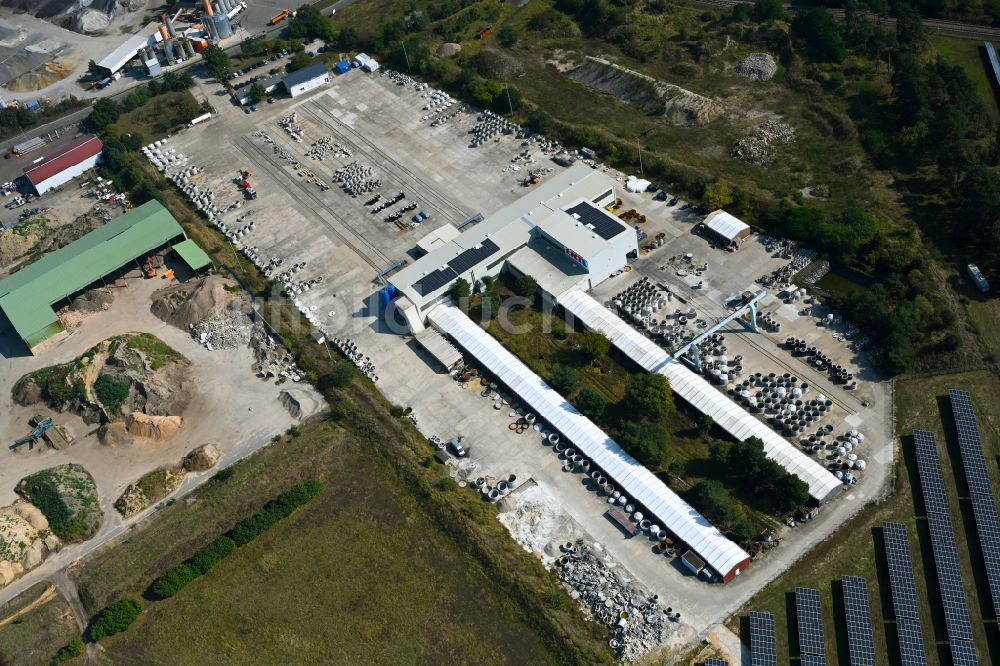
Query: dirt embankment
[(159, 483), (25, 540), (134, 375), (42, 235), (679, 106), (67, 496)]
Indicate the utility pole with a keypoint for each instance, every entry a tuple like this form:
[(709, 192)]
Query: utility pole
[(639, 149), (509, 103), (407, 56)]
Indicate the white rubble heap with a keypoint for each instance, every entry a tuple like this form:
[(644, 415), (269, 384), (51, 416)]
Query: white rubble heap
[(639, 621), (756, 67), (756, 149), (223, 330)]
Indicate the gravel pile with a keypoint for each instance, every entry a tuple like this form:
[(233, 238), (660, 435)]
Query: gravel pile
[(756, 67), (224, 330), (756, 149), (639, 622), (272, 360)]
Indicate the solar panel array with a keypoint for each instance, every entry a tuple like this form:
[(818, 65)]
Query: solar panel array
[(809, 617), (929, 469), (473, 256), (812, 660), (963, 653), (944, 547), (603, 224), (763, 646), (904, 594), (716, 662), (980, 489), (860, 639), (434, 281)]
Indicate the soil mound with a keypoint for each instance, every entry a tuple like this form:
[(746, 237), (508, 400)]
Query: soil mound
[(202, 458), (67, 496), (185, 304), (679, 106), (24, 540), (299, 404), (157, 428), (151, 488), (115, 434), (449, 50), (497, 65)]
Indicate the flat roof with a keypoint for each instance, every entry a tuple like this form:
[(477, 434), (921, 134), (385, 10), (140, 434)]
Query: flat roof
[(192, 254), (582, 227), (70, 155), (309, 73), (26, 297)]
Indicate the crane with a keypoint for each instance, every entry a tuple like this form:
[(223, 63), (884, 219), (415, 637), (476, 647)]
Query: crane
[(35, 434), (748, 307)]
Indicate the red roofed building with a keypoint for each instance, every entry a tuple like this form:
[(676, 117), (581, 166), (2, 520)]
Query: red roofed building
[(65, 164)]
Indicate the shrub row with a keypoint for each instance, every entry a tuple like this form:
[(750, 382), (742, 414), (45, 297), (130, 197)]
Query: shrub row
[(115, 618), (176, 578)]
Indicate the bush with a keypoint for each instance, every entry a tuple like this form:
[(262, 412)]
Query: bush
[(459, 290), (172, 581), (206, 558), (648, 442), (397, 411), (525, 286), (223, 474), (250, 528), (294, 431), (507, 36), (591, 403), (342, 375), (448, 484), (111, 392), (72, 649), (650, 396), (565, 380), (115, 618), (595, 344)]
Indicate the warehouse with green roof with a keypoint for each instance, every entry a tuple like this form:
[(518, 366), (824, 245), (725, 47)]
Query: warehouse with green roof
[(27, 297)]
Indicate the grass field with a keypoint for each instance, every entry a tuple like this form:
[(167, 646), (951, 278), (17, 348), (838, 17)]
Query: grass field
[(34, 636), (361, 574), (856, 549), (970, 56), (155, 119)]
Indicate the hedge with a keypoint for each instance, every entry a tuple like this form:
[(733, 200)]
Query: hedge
[(115, 618), (176, 578)]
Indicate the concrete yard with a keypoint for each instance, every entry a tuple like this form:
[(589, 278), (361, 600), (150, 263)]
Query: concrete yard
[(379, 123)]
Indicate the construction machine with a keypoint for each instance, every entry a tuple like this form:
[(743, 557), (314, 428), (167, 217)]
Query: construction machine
[(279, 17), (30, 440), (150, 270)]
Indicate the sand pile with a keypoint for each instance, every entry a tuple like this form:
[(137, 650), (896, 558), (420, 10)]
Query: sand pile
[(756, 67), (449, 50), (24, 540), (49, 73), (678, 106), (114, 434), (157, 428), (182, 305), (202, 458), (534, 518)]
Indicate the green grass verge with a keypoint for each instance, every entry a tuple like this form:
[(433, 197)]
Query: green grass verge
[(855, 549), (970, 55), (34, 636)]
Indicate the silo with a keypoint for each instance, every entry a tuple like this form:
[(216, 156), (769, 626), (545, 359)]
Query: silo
[(164, 33), (170, 51), (170, 25), (186, 46), (222, 26), (208, 7), (218, 8), (209, 22)]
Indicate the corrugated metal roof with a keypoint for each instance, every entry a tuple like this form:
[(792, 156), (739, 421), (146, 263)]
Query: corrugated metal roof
[(701, 395), (309, 73), (127, 50), (26, 297), (192, 255), (636, 481), (726, 225), (70, 155)]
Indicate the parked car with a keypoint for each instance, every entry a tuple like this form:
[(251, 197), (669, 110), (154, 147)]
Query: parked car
[(456, 448)]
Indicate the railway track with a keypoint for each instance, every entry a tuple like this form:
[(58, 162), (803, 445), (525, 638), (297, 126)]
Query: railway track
[(934, 26)]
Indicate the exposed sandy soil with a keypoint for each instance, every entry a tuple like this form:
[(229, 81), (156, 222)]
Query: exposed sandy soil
[(51, 72)]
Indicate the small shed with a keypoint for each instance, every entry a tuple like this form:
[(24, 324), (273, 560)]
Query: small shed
[(342, 67), (729, 229), (694, 563), (192, 255)]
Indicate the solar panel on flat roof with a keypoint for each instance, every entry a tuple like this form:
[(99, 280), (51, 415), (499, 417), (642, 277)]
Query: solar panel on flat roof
[(860, 638), (763, 646), (897, 554), (434, 281), (473, 256), (970, 445), (988, 526), (963, 653), (603, 224), (956, 610), (911, 642), (929, 470), (715, 662), (809, 617)]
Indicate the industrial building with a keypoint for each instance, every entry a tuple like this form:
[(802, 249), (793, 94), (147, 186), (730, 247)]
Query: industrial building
[(65, 164), (115, 61), (559, 233), (727, 229), (28, 297), (308, 78)]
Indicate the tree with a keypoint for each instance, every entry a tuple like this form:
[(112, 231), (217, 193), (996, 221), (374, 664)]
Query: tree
[(72, 649), (591, 403), (507, 36), (94, 71), (341, 376), (595, 344), (526, 286), (299, 60), (172, 581), (104, 113), (115, 618), (348, 38), (769, 10), (252, 47), (741, 12), (217, 62), (648, 442), (310, 23), (256, 93), (460, 290), (718, 195), (565, 380), (705, 423), (649, 396), (712, 500), (821, 34), (741, 530), (790, 492), (542, 122)]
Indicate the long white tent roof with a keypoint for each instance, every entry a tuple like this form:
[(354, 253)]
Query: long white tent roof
[(699, 393), (636, 481), (726, 225)]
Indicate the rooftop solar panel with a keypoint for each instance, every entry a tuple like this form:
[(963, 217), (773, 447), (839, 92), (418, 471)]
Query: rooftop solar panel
[(956, 610), (988, 525), (812, 660), (603, 224), (929, 469), (969, 443), (763, 647), (904, 589), (434, 281), (911, 642), (809, 617), (715, 662), (963, 653), (473, 256), (860, 638)]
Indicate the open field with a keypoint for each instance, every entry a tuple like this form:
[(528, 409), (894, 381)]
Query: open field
[(971, 56), (34, 626), (360, 574), (856, 549)]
